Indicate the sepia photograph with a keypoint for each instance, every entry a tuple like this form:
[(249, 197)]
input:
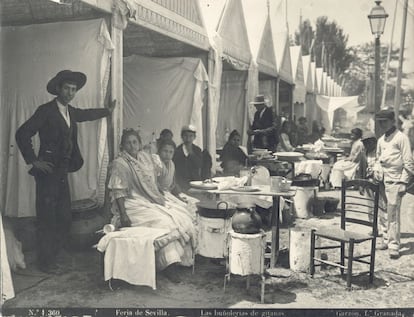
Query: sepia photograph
[(207, 158)]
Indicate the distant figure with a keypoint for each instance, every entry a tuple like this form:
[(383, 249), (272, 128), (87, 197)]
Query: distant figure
[(396, 167), (350, 165), (316, 132), (165, 134), (233, 158), (367, 167), (262, 129), (302, 131), (318, 143), (284, 144), (188, 159)]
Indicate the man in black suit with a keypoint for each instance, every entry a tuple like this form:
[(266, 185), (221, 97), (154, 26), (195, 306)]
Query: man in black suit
[(58, 155), (263, 129)]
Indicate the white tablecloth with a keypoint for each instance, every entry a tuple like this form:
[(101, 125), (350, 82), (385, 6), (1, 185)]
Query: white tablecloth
[(130, 255), (7, 289), (312, 167)]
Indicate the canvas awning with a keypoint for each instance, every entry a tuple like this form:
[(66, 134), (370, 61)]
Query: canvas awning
[(330, 104), (299, 91)]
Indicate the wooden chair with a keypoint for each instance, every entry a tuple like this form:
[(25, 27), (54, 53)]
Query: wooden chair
[(354, 209)]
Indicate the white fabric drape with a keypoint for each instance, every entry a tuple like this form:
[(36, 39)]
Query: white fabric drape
[(31, 56), (330, 104), (252, 90), (215, 71), (231, 111), (164, 93), (6, 287)]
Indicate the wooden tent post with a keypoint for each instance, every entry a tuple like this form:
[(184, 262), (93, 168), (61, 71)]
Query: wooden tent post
[(117, 79)]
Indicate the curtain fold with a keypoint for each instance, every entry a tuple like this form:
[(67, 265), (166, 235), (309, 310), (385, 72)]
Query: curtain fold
[(164, 93), (27, 66)]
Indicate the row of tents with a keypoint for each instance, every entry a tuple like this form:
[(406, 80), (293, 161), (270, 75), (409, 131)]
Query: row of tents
[(166, 62)]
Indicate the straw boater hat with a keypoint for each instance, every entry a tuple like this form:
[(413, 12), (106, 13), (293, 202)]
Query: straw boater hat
[(66, 75), (259, 100), (189, 128)]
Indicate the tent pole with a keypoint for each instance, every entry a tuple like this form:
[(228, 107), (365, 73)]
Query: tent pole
[(397, 99), (384, 92), (117, 79)]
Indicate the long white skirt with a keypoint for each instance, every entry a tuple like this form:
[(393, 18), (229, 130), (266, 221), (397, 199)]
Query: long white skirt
[(176, 216)]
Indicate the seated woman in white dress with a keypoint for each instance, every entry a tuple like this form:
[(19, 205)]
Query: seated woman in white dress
[(166, 174), (137, 200), (348, 167)]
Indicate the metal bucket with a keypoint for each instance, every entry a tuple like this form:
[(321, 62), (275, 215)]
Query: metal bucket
[(303, 201), (246, 253), (214, 223), (212, 233)]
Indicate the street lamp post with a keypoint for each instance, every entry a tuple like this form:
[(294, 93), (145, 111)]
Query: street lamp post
[(377, 19)]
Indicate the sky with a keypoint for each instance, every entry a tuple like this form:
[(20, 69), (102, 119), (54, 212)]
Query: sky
[(351, 15)]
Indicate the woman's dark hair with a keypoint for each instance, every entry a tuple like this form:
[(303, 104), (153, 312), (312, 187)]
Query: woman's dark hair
[(233, 134), (126, 133), (165, 143), (165, 132), (357, 132)]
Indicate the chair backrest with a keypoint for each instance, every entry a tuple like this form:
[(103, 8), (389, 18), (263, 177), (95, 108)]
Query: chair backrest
[(357, 208)]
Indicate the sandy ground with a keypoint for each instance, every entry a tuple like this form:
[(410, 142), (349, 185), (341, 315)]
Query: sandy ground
[(82, 286)]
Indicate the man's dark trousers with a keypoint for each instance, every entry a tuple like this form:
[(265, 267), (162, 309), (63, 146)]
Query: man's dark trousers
[(54, 215)]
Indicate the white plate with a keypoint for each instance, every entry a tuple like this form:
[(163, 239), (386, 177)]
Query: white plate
[(332, 149), (245, 189), (201, 185)]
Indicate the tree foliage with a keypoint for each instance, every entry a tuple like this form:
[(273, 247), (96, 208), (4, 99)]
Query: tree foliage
[(304, 36), (357, 77), (328, 37)]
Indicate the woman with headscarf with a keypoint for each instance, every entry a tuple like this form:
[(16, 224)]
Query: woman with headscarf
[(138, 201), (349, 166), (233, 158)]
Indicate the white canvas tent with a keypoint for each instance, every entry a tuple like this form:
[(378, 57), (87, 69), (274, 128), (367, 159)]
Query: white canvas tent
[(173, 32), (299, 90), (164, 93), (232, 74), (28, 65), (264, 57), (329, 104)]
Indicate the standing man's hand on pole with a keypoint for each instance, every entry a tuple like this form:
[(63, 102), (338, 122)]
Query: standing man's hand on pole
[(111, 105)]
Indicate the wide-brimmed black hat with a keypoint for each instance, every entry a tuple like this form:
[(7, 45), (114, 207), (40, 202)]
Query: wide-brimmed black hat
[(259, 100), (385, 114), (66, 75)]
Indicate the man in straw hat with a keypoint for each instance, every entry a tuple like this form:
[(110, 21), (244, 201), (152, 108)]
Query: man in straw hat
[(396, 161), (59, 154), (262, 128)]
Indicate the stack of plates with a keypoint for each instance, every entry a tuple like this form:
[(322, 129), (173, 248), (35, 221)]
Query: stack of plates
[(288, 156)]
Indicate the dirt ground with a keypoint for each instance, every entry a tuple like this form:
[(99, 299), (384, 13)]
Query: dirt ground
[(82, 286)]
